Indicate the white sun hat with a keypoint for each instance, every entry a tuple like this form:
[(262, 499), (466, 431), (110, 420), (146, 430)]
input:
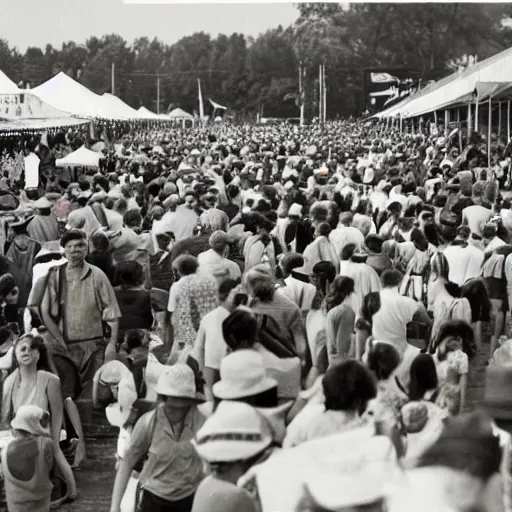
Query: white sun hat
[(178, 381), (235, 431), (242, 374)]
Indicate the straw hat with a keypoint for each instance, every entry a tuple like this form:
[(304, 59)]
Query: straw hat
[(43, 204), (236, 431), (178, 382), (242, 374), (49, 248)]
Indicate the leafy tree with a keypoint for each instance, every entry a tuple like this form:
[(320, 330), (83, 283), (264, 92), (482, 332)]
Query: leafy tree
[(11, 61), (34, 66)]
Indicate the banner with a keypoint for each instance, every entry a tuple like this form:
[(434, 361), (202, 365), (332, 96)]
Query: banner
[(201, 104), (383, 78), (216, 106), (27, 106)]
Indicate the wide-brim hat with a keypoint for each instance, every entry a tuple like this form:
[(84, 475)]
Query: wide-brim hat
[(242, 375), (177, 382), (43, 203), (234, 432), (48, 248)]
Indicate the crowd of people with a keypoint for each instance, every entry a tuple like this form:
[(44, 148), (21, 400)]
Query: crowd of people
[(275, 318)]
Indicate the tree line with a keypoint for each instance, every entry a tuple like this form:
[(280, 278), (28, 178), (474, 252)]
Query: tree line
[(261, 74)]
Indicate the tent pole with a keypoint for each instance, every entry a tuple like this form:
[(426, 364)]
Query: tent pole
[(446, 123), (460, 129), (508, 121), (499, 119), (476, 115), (470, 123), (158, 94), (489, 130), (435, 118), (400, 124)]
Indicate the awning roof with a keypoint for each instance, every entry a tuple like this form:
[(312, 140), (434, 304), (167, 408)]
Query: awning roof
[(82, 157), (8, 125), (145, 113), (179, 113)]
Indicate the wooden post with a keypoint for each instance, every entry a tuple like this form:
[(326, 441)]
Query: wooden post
[(158, 94), (320, 100), (508, 121), (470, 121), (476, 115), (460, 129), (499, 119)]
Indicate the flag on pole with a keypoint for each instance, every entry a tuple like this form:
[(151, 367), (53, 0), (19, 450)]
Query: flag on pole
[(383, 78), (216, 106), (201, 104)]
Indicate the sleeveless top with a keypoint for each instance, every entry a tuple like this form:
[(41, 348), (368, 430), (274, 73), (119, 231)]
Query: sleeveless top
[(32, 495), (38, 395)]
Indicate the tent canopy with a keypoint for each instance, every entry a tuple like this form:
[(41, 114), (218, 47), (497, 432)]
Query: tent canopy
[(114, 106), (63, 93), (144, 113), (452, 89), (9, 125), (7, 86), (178, 113), (82, 157)]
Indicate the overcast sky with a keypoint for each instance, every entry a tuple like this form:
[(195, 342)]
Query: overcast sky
[(38, 22)]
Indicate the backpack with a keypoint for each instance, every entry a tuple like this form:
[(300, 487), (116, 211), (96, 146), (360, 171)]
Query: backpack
[(272, 337)]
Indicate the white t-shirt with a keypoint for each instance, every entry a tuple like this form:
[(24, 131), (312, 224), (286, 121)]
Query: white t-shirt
[(215, 347), (390, 322), (32, 171), (314, 422)]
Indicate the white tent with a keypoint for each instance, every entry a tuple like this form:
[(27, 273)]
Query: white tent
[(179, 114), (117, 108), (496, 69), (63, 93), (144, 113), (82, 157), (7, 86)]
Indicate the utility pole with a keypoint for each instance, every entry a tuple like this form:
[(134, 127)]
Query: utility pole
[(324, 95), (320, 95), (113, 77), (302, 103), (158, 94)]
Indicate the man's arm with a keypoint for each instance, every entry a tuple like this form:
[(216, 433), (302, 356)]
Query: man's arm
[(48, 321), (111, 351)]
